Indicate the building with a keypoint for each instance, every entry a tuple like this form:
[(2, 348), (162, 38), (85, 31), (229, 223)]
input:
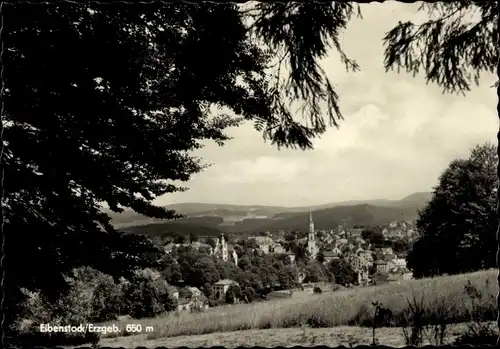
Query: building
[(331, 255), (168, 248), (366, 254), (223, 251), (235, 257), (312, 248), (199, 303), (221, 287), (382, 266), (173, 292), (220, 250), (278, 249), (358, 263)]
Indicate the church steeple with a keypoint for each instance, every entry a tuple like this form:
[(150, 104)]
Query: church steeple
[(311, 224), (311, 239)]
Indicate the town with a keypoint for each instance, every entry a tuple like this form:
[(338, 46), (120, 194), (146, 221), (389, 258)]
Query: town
[(368, 255)]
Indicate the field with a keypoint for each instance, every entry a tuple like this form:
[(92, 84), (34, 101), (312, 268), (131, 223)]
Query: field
[(336, 336), (315, 315)]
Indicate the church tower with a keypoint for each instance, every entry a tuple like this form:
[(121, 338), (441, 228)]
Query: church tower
[(311, 239), (225, 254), (311, 226)]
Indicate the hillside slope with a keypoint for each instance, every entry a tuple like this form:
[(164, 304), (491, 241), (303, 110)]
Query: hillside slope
[(363, 214), (216, 218)]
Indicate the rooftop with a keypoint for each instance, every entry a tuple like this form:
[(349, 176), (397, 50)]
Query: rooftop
[(226, 282)]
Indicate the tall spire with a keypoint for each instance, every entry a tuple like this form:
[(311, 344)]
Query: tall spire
[(311, 223)]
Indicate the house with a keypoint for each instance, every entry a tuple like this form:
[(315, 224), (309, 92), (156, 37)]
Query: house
[(387, 251), (399, 262), (169, 247), (149, 273), (382, 267), (359, 263), (189, 292), (291, 256), (221, 287), (366, 254), (362, 276), (278, 249), (331, 255), (199, 303), (173, 292), (265, 243)]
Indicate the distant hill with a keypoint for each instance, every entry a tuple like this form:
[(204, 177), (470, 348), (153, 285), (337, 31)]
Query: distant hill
[(328, 218), (416, 199), (212, 219), (172, 228)]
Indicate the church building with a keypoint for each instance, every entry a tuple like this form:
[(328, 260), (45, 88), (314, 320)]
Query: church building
[(221, 251), (312, 248)]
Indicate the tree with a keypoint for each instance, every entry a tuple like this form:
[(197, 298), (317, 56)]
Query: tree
[(400, 245), (450, 49), (180, 239), (193, 237), (373, 235), (147, 297), (249, 294), (116, 127), (198, 269), (68, 109), (320, 257), (343, 271), (211, 242), (233, 294), (457, 227)]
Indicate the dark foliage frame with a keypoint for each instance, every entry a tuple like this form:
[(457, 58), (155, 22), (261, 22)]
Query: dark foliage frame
[(2, 167)]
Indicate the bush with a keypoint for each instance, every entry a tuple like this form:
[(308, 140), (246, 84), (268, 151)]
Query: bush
[(317, 290), (92, 297), (233, 294), (146, 298), (106, 301), (249, 294), (478, 334), (68, 310)]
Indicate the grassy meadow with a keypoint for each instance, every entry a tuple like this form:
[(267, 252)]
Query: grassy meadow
[(442, 298)]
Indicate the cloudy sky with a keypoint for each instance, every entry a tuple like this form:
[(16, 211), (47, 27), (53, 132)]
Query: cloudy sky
[(398, 135)]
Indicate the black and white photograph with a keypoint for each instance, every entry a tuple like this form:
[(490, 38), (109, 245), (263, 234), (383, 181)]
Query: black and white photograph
[(197, 174)]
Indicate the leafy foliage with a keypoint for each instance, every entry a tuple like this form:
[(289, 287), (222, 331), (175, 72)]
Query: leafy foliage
[(343, 271), (301, 34), (452, 49), (146, 297), (458, 225)]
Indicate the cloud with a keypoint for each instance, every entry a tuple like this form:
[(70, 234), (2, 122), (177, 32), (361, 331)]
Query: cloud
[(398, 135)]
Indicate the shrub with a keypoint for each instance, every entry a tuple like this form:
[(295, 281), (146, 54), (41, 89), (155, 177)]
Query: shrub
[(106, 301), (317, 290), (233, 294), (147, 298), (68, 310), (477, 332)]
